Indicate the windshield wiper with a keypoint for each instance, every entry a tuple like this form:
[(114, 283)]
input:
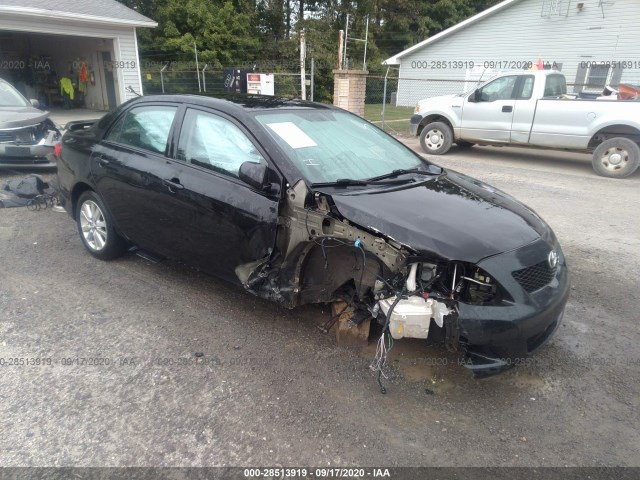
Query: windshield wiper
[(350, 182), (401, 171)]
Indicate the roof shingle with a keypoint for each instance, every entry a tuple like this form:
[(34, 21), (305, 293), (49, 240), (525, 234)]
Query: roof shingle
[(105, 10)]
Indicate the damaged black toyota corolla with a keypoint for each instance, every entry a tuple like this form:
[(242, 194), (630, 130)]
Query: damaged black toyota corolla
[(305, 203)]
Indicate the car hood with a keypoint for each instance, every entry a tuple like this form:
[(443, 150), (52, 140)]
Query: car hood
[(15, 117), (453, 216), (439, 98)]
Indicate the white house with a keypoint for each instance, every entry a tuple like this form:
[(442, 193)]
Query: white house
[(44, 41), (593, 42)]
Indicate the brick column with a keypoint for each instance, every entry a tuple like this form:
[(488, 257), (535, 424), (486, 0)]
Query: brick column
[(349, 88)]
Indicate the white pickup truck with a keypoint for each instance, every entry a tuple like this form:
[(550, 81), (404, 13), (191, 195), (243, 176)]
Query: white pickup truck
[(532, 109)]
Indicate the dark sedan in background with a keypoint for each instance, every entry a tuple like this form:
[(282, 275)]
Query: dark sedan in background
[(304, 203), (27, 134)]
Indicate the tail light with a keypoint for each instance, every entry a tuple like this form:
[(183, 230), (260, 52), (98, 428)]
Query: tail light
[(57, 150)]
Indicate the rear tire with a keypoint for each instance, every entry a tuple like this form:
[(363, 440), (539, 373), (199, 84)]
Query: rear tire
[(462, 144), (436, 138), (616, 158), (96, 228)]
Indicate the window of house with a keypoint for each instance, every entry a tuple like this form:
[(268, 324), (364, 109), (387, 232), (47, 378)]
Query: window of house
[(597, 77)]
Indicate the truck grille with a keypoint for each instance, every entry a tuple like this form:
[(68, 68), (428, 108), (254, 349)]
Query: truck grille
[(7, 137), (535, 277)]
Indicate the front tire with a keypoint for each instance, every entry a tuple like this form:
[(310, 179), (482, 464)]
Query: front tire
[(616, 158), (96, 228), (436, 138)]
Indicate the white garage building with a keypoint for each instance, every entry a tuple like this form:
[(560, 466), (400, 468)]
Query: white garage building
[(49, 49), (592, 42)]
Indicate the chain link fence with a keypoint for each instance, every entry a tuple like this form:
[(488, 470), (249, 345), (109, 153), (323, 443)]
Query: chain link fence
[(390, 100), (168, 78)]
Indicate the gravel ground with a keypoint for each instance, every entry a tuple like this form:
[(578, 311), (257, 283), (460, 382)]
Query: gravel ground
[(270, 389)]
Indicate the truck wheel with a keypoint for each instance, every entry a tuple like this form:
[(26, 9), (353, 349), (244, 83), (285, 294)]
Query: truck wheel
[(616, 158), (436, 138), (463, 144), (96, 228)]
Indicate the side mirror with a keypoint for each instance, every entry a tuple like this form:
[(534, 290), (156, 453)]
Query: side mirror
[(35, 103), (254, 174), (476, 96)]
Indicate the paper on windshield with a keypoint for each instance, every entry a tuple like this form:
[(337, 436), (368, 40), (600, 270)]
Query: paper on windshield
[(292, 134)]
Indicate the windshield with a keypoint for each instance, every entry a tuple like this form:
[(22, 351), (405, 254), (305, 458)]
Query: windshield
[(328, 145), (10, 97)]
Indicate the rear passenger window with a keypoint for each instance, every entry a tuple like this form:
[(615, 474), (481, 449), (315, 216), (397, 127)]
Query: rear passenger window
[(144, 127), (527, 88), (556, 85)]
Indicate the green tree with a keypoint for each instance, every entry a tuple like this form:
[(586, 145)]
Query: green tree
[(235, 32)]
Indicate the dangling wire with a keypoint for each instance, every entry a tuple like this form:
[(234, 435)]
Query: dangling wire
[(379, 362)]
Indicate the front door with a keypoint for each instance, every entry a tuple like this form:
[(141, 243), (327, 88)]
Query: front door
[(487, 113), (224, 222)]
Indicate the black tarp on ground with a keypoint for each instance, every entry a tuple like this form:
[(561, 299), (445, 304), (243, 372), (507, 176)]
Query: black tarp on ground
[(21, 192)]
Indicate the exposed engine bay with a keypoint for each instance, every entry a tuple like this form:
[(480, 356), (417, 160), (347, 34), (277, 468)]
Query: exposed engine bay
[(321, 257)]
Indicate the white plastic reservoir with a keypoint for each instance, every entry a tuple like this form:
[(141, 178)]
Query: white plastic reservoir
[(411, 316)]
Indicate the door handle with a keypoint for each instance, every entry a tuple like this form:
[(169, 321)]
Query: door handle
[(173, 185), (103, 162), (507, 108)]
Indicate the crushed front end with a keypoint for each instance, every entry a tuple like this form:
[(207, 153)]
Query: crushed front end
[(486, 311), (31, 144)]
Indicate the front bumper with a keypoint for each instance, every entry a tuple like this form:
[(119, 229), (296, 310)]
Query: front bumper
[(17, 154), (26, 155), (496, 338)]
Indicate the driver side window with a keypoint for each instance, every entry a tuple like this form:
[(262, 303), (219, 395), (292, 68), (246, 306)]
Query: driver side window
[(500, 89), (215, 143)]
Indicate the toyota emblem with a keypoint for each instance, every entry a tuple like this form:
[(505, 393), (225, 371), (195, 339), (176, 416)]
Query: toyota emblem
[(553, 259)]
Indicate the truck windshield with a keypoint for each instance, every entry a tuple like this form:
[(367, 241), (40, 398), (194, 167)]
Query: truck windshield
[(328, 145)]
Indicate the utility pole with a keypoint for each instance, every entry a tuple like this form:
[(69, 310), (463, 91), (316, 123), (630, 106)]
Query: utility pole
[(204, 80), (366, 40), (346, 43), (195, 48), (313, 66), (303, 77), (340, 47)]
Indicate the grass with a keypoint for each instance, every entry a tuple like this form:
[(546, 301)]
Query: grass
[(372, 113), (396, 118)]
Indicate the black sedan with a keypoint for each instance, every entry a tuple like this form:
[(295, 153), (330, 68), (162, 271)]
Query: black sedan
[(27, 134), (304, 203)]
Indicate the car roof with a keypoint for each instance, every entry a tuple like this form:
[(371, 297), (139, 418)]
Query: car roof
[(237, 104)]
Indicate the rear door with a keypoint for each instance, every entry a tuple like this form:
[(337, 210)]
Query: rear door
[(488, 114), (130, 167), (223, 222)]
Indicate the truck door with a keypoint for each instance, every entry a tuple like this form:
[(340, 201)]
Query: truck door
[(524, 110), (488, 112)]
